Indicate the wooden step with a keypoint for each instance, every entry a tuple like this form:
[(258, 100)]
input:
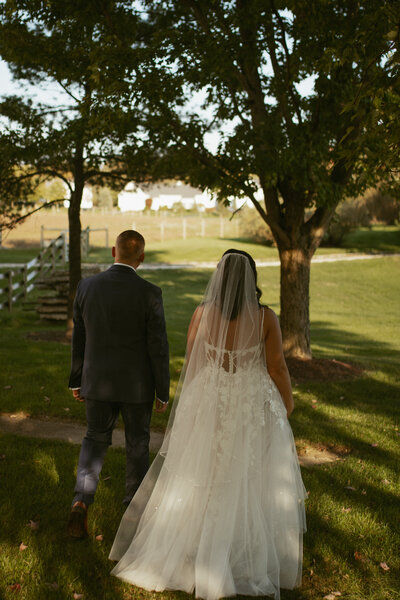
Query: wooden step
[(62, 308), (52, 300), (54, 317)]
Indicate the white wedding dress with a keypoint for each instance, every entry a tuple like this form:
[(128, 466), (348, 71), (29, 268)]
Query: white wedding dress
[(221, 511)]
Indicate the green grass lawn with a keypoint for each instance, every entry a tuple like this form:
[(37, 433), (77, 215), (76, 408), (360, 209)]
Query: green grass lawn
[(376, 239), (353, 503), (172, 251), (18, 255), (354, 316)]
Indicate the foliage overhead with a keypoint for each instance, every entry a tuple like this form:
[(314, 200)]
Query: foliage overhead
[(303, 97), (88, 51), (248, 66)]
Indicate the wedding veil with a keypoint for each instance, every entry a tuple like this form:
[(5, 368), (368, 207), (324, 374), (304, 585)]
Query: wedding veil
[(225, 336)]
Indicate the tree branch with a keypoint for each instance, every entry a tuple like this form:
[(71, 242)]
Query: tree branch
[(271, 222), (42, 172), (13, 222), (56, 110), (199, 14), (317, 225), (290, 89), (278, 76), (68, 92)]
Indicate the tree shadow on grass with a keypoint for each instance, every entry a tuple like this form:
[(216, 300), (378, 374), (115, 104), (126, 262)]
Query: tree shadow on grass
[(345, 434), (42, 476), (344, 529), (344, 344)]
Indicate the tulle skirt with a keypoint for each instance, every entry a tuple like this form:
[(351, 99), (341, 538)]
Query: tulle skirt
[(221, 510)]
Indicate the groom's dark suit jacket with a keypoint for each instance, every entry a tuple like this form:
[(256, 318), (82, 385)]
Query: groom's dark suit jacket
[(119, 343)]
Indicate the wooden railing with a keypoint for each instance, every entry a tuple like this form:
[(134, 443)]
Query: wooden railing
[(85, 234), (18, 282)]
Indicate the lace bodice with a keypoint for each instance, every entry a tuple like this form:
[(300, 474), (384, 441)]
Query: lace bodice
[(241, 374), (233, 360)]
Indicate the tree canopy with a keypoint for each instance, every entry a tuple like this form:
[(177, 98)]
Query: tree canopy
[(299, 94), (291, 87), (87, 50)]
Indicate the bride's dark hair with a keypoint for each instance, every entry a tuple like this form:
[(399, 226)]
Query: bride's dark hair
[(237, 304)]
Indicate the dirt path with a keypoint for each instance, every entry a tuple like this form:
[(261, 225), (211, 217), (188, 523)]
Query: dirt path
[(21, 424), (324, 258)]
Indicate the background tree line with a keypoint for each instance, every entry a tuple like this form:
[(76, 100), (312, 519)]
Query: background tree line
[(146, 84)]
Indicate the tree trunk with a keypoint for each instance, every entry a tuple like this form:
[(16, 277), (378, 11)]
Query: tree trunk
[(295, 301), (75, 270)]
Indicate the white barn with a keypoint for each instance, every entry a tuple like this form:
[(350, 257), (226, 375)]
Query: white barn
[(163, 195), (87, 198)]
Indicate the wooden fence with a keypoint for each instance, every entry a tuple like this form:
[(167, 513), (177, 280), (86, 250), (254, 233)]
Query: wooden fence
[(18, 282), (163, 228), (85, 236)]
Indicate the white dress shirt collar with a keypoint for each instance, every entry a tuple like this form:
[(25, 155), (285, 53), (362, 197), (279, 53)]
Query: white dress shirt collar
[(124, 265)]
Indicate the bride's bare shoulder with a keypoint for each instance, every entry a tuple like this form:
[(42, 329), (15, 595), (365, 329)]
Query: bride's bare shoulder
[(198, 312), (268, 312), (270, 319), (196, 316)]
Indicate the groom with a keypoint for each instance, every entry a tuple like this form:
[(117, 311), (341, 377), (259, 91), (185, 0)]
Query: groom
[(120, 361)]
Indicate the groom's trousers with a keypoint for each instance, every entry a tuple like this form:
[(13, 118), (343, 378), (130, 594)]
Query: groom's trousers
[(101, 419)]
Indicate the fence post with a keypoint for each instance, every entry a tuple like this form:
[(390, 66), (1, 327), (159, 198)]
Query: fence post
[(184, 229), (42, 236), (107, 237), (10, 291), (162, 231), (41, 265), (84, 241), (53, 257), (203, 228), (64, 248), (25, 281)]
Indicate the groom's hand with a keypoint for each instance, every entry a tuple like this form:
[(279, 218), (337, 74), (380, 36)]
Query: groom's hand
[(77, 395), (161, 407)]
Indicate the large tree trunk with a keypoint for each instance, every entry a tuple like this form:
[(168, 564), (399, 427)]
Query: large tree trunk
[(75, 271), (297, 240), (74, 220), (295, 301)]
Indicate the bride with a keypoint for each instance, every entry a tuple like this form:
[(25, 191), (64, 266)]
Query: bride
[(221, 510)]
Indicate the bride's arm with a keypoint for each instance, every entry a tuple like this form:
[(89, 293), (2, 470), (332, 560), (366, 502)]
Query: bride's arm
[(275, 359), (192, 331)]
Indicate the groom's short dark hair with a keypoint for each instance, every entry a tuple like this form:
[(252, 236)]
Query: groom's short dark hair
[(130, 245)]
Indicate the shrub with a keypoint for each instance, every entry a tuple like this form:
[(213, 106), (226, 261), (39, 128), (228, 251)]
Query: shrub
[(382, 207), (350, 215)]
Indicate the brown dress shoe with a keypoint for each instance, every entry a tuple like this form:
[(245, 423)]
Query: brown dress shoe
[(77, 523)]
